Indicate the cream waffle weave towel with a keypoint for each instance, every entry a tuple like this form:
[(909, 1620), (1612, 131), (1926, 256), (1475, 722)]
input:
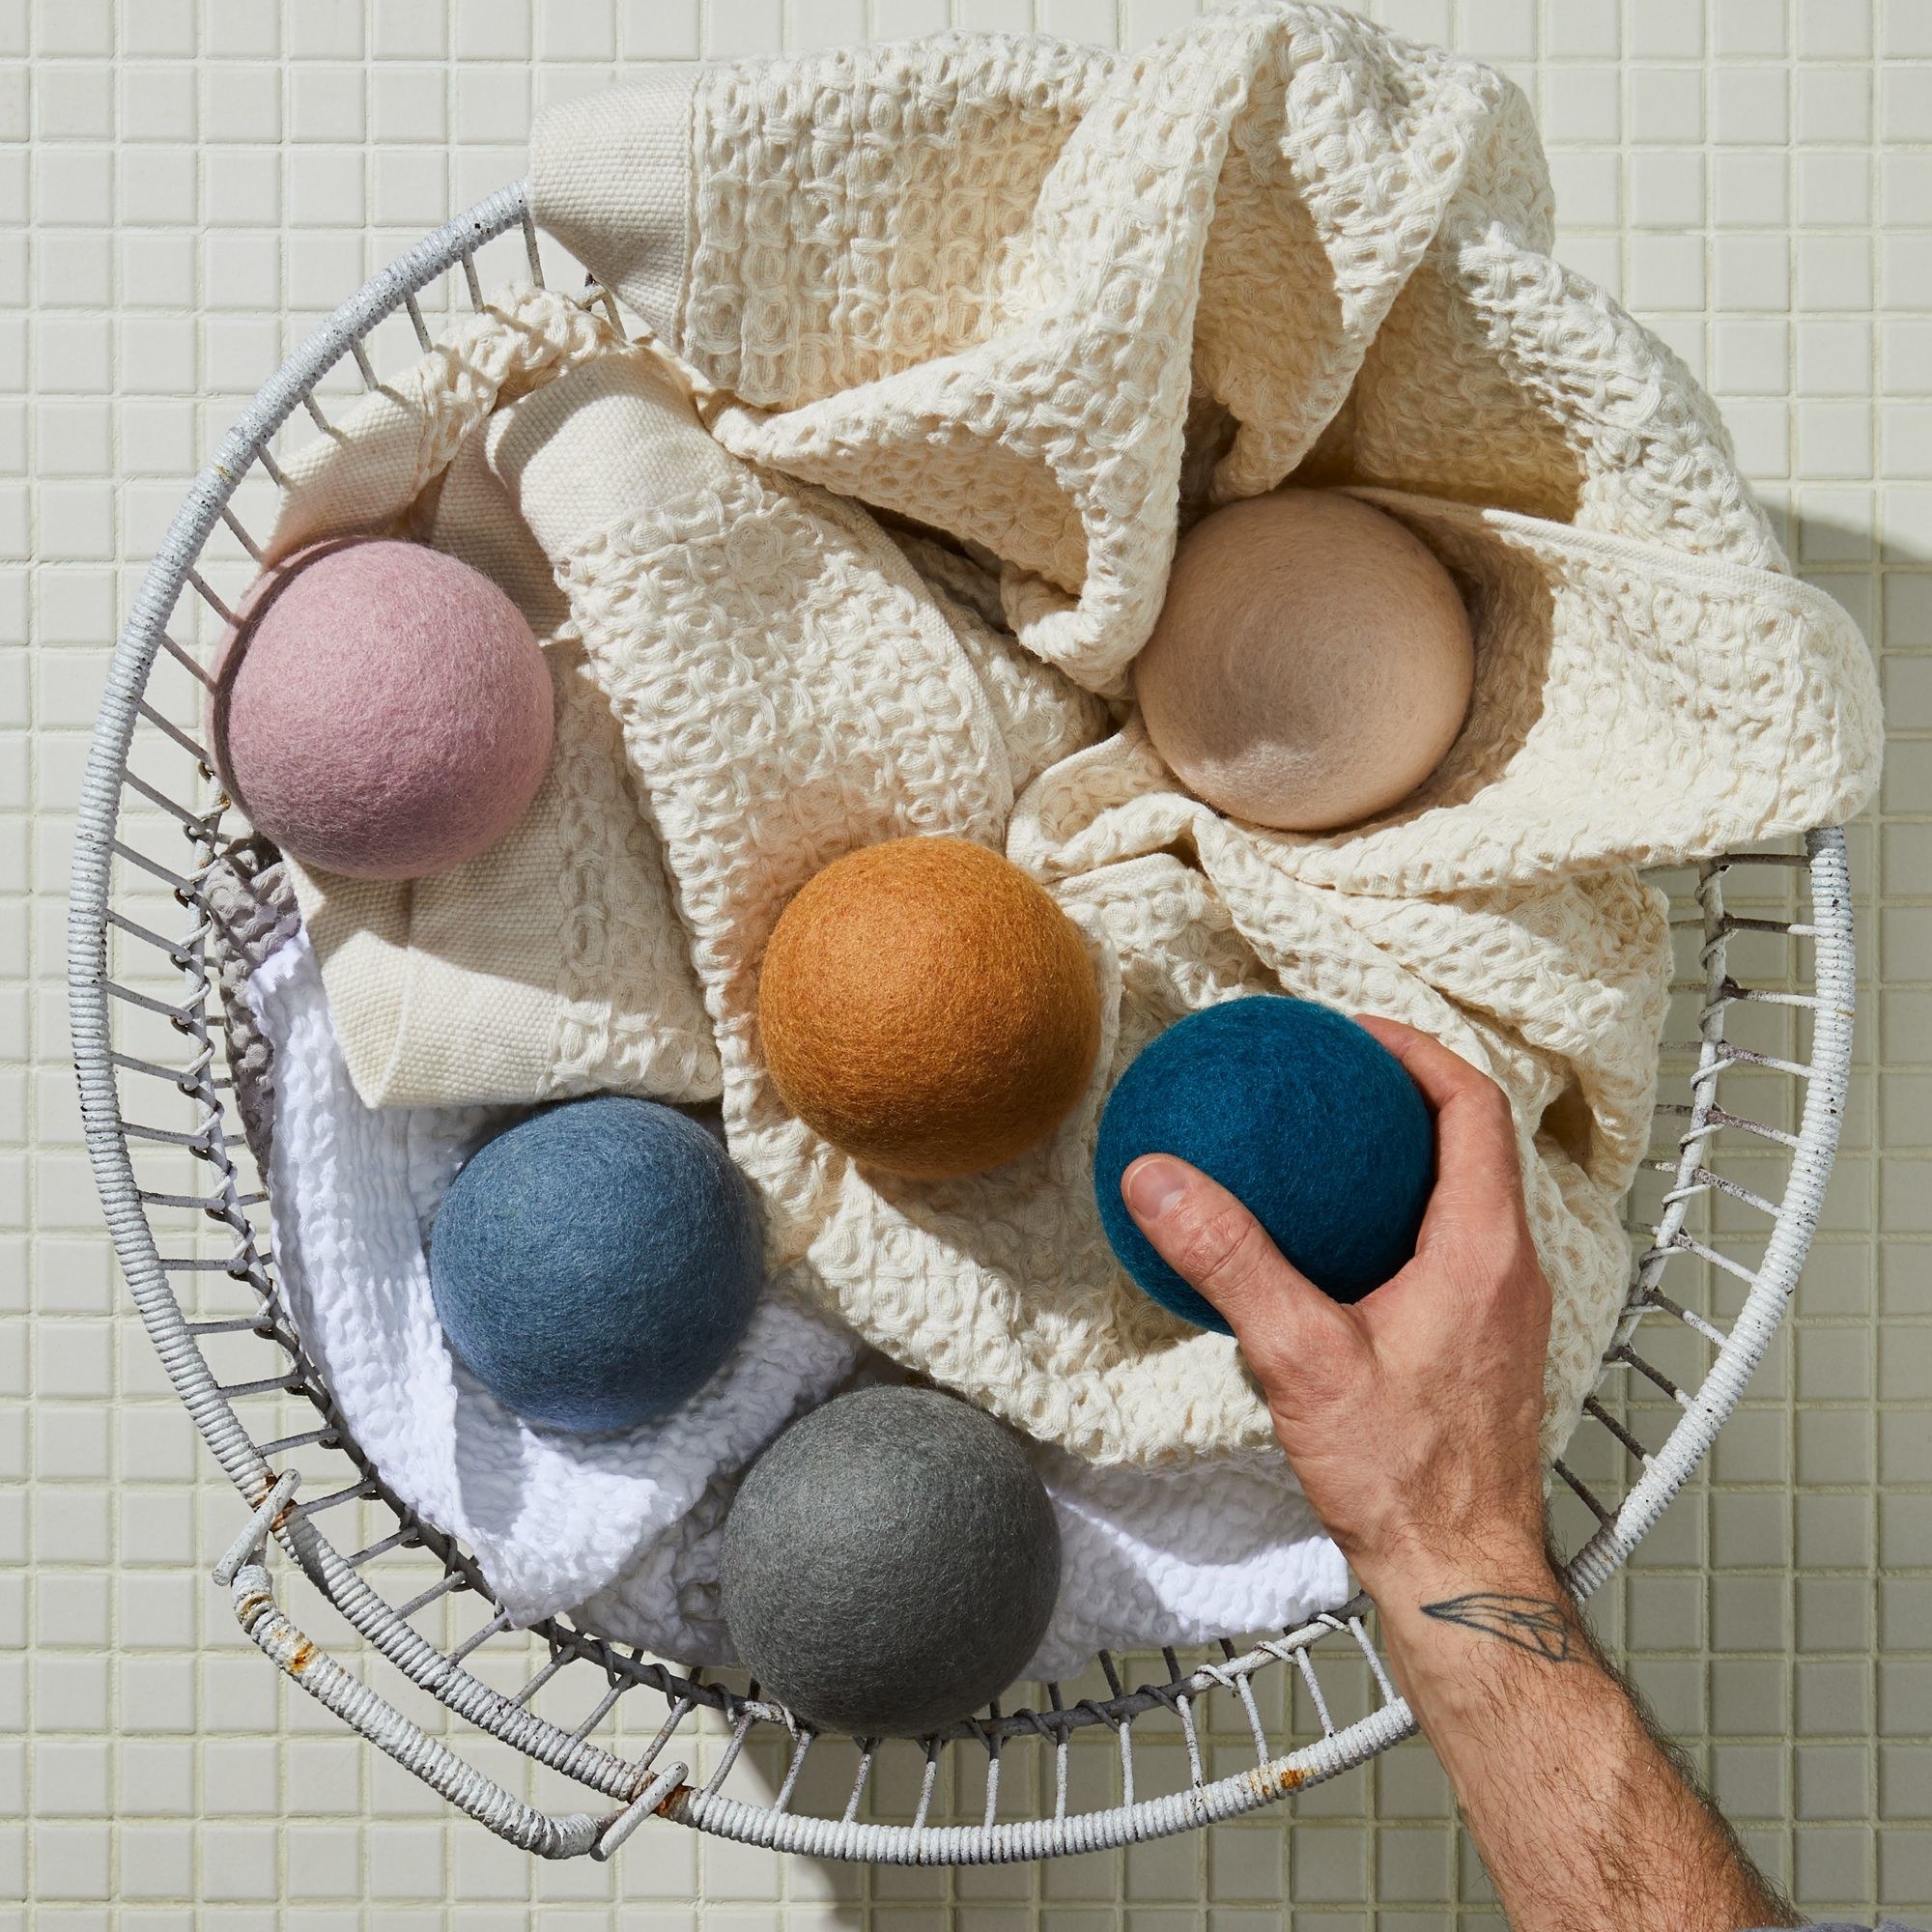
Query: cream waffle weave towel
[(1051, 305)]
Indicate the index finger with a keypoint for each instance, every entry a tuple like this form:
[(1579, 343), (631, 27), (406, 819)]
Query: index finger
[(1478, 1172)]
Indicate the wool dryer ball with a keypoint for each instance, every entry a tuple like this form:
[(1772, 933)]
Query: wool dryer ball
[(595, 1264), (380, 710), (890, 1563), (1310, 666), (1300, 1114), (928, 1007)]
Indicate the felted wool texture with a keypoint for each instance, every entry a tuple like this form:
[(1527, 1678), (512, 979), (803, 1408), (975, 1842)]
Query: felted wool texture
[(553, 964), (553, 1518), (927, 1007), (1148, 1556), (890, 1563), (594, 1263), (380, 710), (1062, 305), (1303, 1116), (1312, 663)]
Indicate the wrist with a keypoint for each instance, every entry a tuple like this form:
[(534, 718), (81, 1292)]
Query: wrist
[(1456, 1622), (1403, 1578)]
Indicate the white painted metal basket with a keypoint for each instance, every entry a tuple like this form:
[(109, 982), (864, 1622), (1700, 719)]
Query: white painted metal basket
[(1747, 1129)]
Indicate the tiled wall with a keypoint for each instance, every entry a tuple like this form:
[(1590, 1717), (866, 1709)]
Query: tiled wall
[(184, 186)]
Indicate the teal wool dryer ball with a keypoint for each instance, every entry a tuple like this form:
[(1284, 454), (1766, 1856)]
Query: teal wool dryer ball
[(889, 1564), (595, 1264), (1303, 1116)]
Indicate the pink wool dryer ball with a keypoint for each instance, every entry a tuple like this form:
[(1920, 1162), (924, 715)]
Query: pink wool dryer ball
[(380, 710)]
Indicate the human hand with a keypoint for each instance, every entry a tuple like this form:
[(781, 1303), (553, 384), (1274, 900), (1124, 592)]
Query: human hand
[(1411, 1419), (1412, 1416)]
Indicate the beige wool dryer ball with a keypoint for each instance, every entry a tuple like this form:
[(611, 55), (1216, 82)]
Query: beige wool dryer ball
[(1312, 664)]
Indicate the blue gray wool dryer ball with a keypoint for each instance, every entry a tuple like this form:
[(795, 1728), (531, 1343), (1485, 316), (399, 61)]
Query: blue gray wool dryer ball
[(1303, 1116), (595, 1264), (890, 1563)]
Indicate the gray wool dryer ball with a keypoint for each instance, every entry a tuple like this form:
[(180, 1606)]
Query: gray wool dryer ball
[(890, 1563)]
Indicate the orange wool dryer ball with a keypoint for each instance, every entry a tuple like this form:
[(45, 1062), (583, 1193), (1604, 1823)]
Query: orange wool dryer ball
[(928, 1007)]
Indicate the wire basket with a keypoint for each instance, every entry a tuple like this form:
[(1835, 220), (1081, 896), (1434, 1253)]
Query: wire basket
[(1754, 1089)]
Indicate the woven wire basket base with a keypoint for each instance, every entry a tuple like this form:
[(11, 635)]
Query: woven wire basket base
[(1752, 1087)]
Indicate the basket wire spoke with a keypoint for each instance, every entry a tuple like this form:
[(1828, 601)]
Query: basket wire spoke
[(1730, 1225)]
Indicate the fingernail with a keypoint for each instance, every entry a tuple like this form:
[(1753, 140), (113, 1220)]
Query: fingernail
[(1153, 1185)]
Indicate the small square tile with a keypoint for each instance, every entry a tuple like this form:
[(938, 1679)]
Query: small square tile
[(1328, 1863), (1749, 1530), (1748, 1781), (1833, 1781), (1583, 103), (1905, 104), (1666, 103), (1835, 190), (1746, 27), (832, 24), (1749, 106), (743, 29), (1582, 33), (1834, 29), (1834, 104), (1750, 1612), (1829, 1866), (1833, 1364), (1666, 272), (1905, 1869), (1835, 359), (1835, 272), (1667, 188), (1243, 1863), (1834, 1532), (1751, 356), (1589, 185), (653, 31), (1415, 1864), (1835, 525), (1084, 22), (1833, 1698), (1748, 1696), (1752, 272), (1664, 29), (1905, 188)]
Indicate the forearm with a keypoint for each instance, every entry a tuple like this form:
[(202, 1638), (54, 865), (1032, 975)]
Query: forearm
[(1584, 1821), (1411, 1418)]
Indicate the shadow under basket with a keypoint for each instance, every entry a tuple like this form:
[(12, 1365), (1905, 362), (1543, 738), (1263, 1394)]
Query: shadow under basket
[(1751, 1086)]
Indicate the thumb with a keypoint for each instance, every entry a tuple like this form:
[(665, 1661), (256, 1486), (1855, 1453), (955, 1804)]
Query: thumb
[(1219, 1249)]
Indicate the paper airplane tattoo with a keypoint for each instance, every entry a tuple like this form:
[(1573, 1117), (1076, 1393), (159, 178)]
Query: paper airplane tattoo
[(1530, 1623)]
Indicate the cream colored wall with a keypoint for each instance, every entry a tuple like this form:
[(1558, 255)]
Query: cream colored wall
[(184, 186)]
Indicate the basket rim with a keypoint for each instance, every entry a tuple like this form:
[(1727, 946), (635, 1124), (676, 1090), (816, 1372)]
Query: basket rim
[(104, 1129)]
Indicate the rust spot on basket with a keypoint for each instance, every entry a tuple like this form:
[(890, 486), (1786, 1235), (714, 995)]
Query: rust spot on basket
[(1277, 1782), (301, 1657), (664, 1808)]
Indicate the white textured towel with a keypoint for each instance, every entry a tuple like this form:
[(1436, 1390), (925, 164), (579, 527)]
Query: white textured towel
[(625, 1528)]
